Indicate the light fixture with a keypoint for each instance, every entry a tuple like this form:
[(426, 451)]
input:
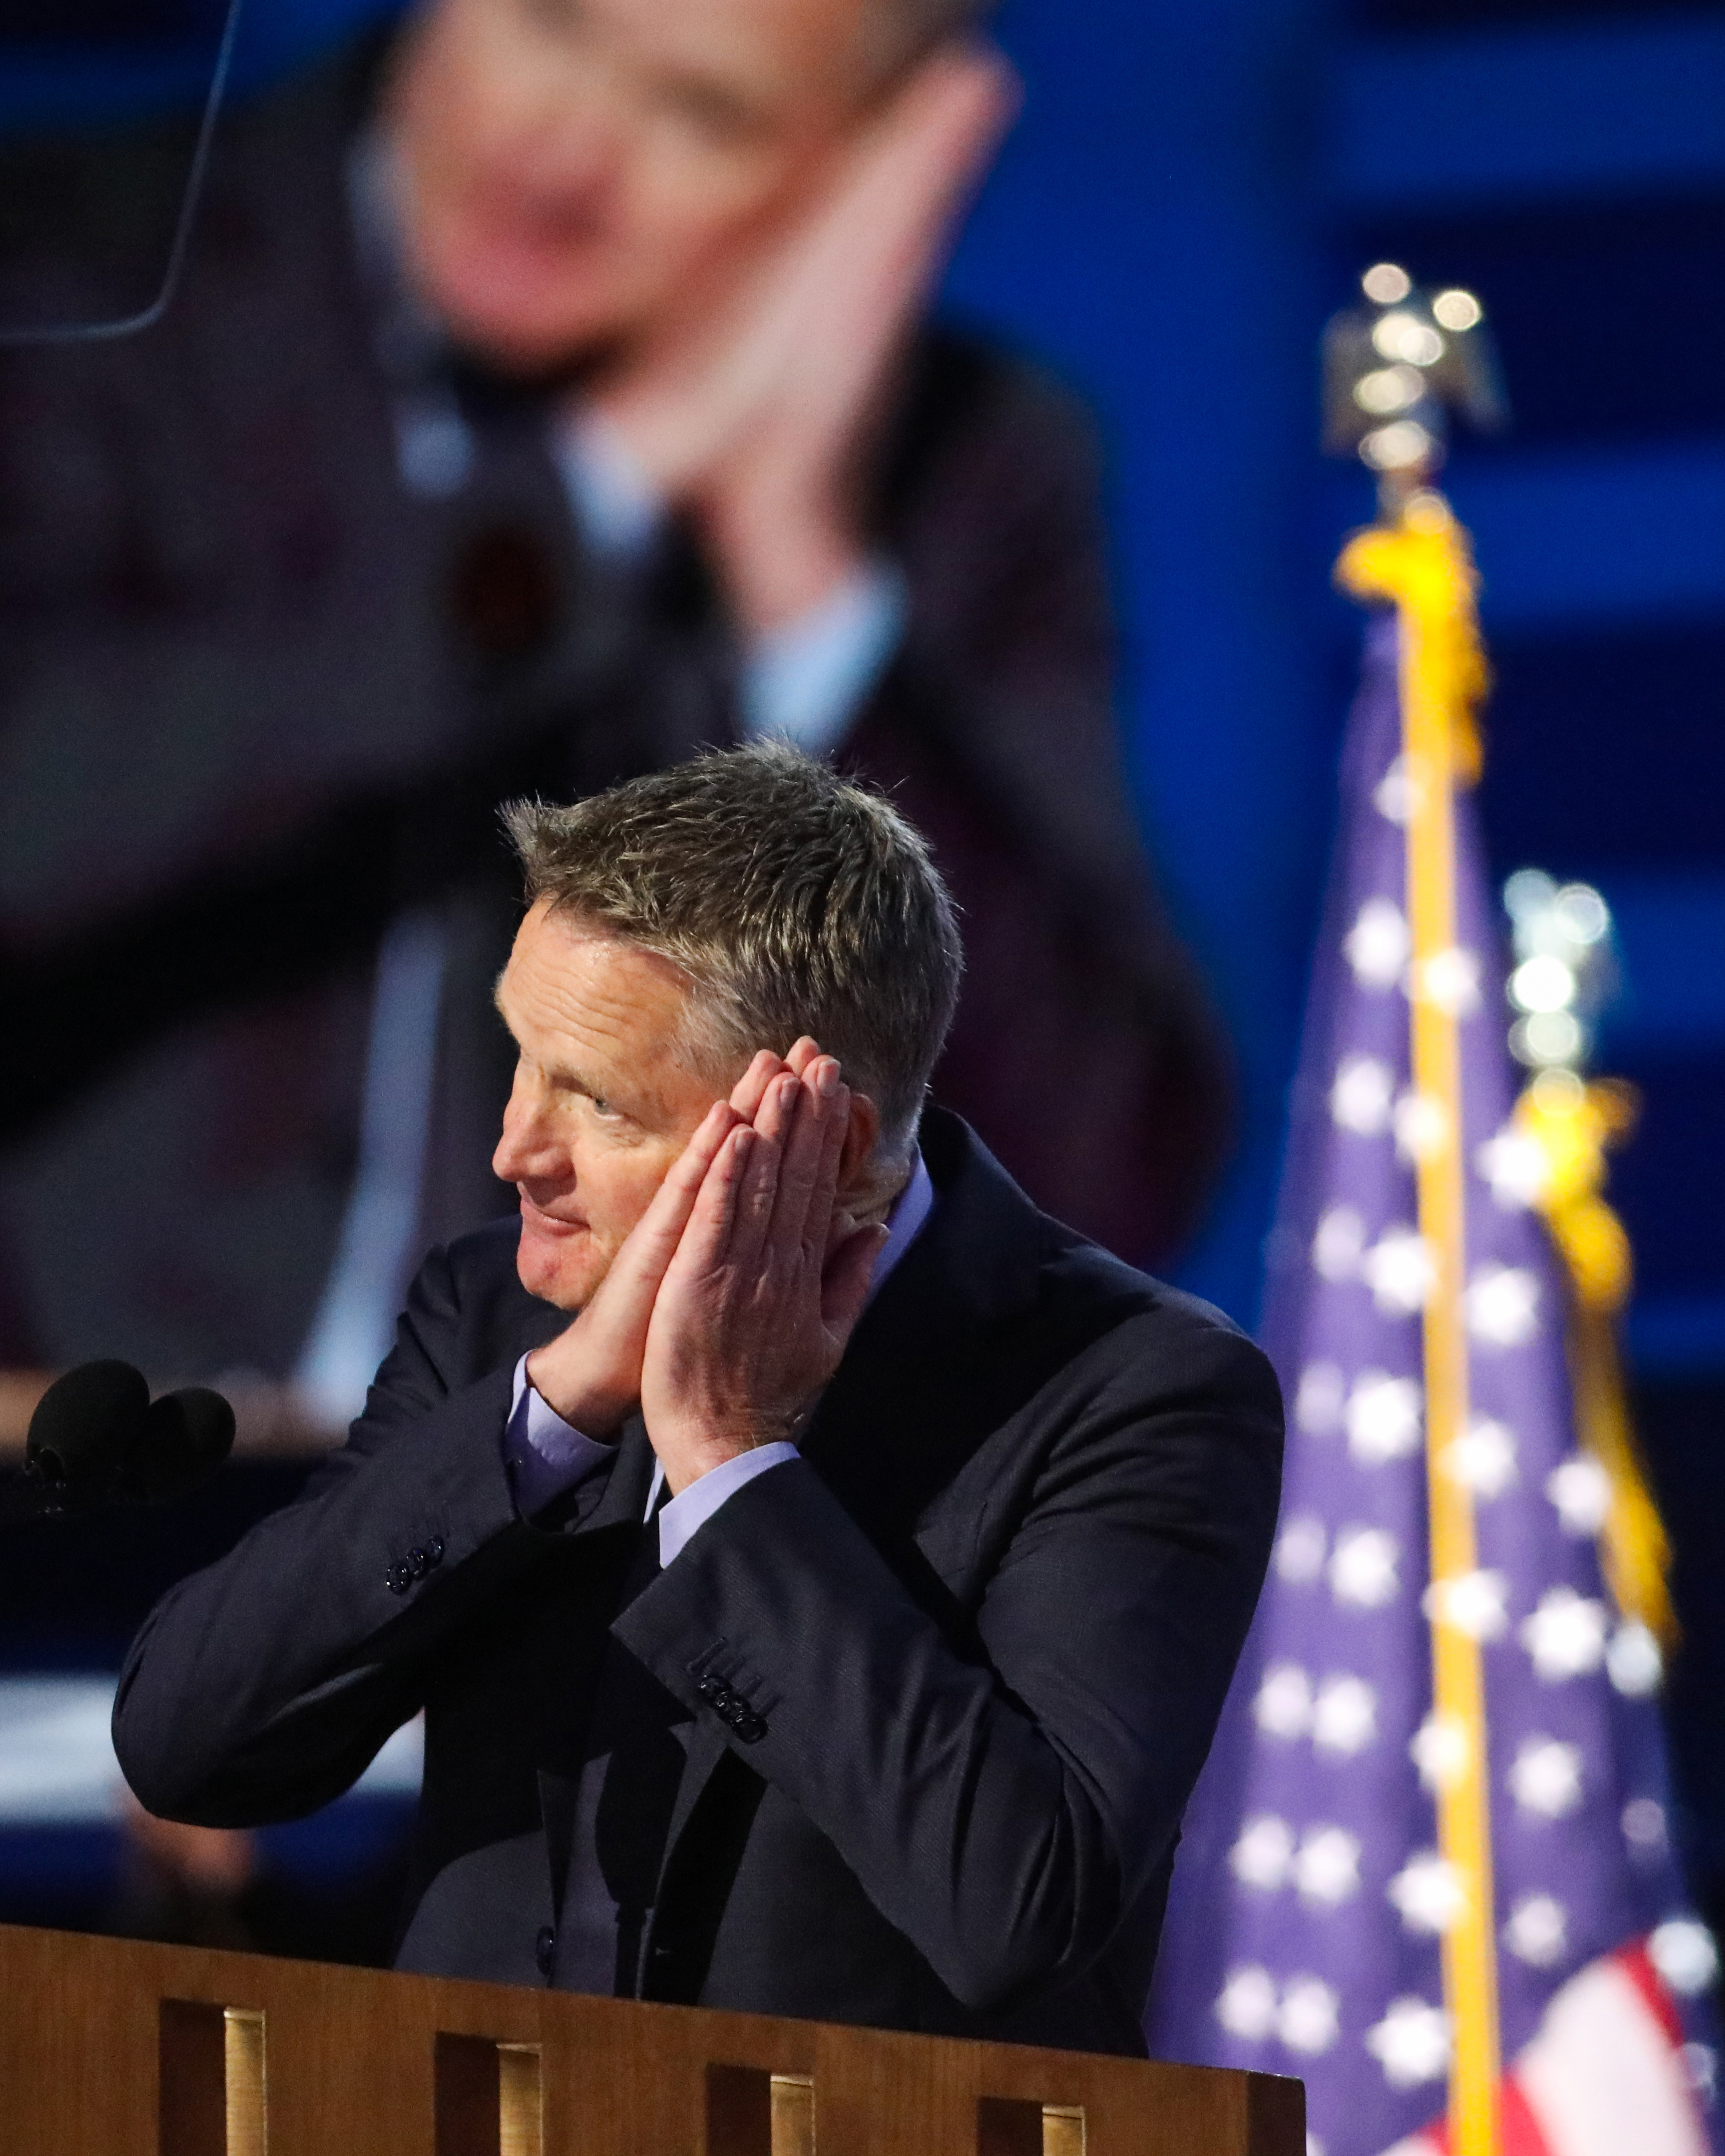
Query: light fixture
[(1456, 310), (1386, 284)]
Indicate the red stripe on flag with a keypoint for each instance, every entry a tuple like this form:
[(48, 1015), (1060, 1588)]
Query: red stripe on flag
[(1521, 2132), (1633, 1963)]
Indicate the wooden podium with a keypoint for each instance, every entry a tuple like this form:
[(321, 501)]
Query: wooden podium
[(112, 2048)]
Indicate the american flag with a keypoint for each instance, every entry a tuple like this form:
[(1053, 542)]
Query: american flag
[(1312, 1897)]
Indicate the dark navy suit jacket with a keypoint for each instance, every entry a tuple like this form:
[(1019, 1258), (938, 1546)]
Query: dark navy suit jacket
[(939, 1689)]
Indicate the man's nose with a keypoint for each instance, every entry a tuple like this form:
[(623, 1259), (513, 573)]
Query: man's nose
[(528, 1150), (568, 137)]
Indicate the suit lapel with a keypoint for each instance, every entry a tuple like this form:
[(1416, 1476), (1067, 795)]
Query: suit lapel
[(619, 1514), (936, 1355)]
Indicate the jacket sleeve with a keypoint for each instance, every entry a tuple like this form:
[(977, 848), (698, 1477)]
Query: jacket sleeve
[(262, 1687), (1003, 1799)]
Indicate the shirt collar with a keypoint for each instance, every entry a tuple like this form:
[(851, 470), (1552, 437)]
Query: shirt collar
[(910, 1212)]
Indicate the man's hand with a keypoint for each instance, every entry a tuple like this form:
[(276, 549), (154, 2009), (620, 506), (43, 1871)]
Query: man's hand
[(751, 410), (591, 1373), (755, 1309)]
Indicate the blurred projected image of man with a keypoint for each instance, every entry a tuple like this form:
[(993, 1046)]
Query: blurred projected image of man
[(549, 396), (820, 1570)]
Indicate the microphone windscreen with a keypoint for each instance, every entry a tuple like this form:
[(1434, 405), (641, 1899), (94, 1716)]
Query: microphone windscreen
[(86, 1427), (186, 1436)]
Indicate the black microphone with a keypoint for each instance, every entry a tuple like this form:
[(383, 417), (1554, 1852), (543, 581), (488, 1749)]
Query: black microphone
[(96, 1439), (86, 1429), (187, 1434)]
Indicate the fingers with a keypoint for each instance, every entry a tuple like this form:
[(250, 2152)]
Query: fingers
[(932, 142), (834, 1098), (751, 1089), (652, 1243), (808, 1123), (748, 1194), (957, 103), (709, 1239), (801, 1136)]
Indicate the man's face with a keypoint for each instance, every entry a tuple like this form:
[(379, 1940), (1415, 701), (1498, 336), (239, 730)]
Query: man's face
[(602, 1104), (574, 168)]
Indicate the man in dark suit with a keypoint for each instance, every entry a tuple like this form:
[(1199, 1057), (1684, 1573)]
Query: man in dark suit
[(831, 1615), (545, 398)]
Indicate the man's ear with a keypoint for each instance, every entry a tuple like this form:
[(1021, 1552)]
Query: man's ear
[(862, 1134)]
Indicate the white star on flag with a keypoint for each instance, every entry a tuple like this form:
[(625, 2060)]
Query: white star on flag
[(1503, 1305), (1644, 1823), (1449, 981), (1581, 1491), (1247, 2005), (1428, 1892), (1400, 1271), (1545, 1777), (1393, 796), (1344, 1715), (1475, 1602), (1327, 1866), (1537, 1932), (1363, 1571), (1283, 1705), (1439, 1751), (1411, 2043), (1633, 1661), (1382, 1417), (1683, 1952), (1483, 1458), (1514, 1163), (1299, 1554), (1361, 1096), (1565, 1635), (1378, 944), (1422, 1127), (1261, 1857), (1311, 2019), (1318, 1404), (1336, 1246)]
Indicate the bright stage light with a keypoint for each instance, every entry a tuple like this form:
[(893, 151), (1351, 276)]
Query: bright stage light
[(1458, 310), (1387, 284), (1542, 983)]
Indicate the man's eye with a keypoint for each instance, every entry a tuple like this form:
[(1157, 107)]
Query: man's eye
[(601, 1105)]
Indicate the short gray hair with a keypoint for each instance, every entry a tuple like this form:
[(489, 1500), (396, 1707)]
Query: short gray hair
[(795, 901)]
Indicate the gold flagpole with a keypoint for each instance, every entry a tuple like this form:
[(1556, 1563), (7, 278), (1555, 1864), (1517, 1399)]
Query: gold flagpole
[(1420, 563)]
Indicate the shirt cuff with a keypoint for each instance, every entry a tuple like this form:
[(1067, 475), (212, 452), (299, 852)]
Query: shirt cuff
[(805, 681), (619, 510), (679, 1518), (545, 1455)]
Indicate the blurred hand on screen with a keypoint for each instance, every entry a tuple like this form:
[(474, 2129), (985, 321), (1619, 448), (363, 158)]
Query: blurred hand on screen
[(750, 404)]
